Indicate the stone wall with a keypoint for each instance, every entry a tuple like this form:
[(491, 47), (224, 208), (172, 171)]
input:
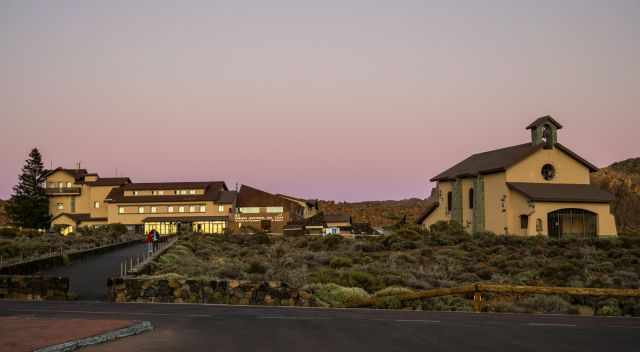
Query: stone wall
[(33, 287), (182, 290)]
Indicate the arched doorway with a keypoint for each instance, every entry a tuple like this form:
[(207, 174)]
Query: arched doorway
[(572, 222)]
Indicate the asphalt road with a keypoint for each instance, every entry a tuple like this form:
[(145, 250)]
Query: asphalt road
[(88, 276), (231, 328)]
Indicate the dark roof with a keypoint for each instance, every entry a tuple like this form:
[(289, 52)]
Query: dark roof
[(185, 218), (228, 197), (78, 218), (338, 217), (77, 174), (213, 192), (431, 206), (544, 119), (559, 192), (109, 181), (311, 203), (253, 197), (500, 160)]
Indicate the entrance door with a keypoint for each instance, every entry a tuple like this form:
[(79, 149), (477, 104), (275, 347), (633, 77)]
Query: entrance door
[(572, 222)]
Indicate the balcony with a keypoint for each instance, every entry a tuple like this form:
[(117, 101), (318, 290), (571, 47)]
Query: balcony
[(63, 191)]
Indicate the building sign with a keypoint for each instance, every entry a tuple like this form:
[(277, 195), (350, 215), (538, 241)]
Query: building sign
[(258, 218)]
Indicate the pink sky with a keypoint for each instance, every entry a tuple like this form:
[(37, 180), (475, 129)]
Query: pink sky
[(351, 100)]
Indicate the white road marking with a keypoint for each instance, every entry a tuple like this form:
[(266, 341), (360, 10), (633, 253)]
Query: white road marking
[(553, 324), (416, 321), (290, 318)]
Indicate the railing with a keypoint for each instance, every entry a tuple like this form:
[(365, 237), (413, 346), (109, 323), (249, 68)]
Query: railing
[(136, 264), (478, 289), (63, 190), (54, 252)]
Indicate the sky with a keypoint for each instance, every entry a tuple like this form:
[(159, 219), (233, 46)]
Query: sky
[(338, 99)]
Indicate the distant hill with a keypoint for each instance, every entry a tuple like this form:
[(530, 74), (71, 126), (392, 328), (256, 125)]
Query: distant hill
[(623, 180), (4, 220), (378, 213)]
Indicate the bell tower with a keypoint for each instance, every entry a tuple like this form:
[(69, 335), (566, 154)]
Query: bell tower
[(544, 130)]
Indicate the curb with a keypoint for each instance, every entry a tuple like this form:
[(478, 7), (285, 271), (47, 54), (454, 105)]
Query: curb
[(134, 329)]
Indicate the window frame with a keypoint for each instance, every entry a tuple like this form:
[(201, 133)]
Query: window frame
[(471, 197)]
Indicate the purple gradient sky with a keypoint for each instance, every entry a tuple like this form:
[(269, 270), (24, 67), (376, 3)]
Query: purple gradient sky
[(344, 100)]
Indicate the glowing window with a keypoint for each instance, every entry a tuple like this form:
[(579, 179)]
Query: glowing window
[(250, 210), (221, 208), (96, 205), (193, 191), (60, 206), (154, 209), (140, 210), (203, 208), (68, 184), (181, 209), (192, 209), (121, 210), (170, 209), (275, 209), (135, 193)]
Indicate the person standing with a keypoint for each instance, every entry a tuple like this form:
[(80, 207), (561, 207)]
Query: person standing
[(156, 240), (149, 241)]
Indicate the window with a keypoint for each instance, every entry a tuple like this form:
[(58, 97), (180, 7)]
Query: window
[(68, 184), (524, 221), (60, 206), (141, 210), (192, 209), (449, 201), (275, 209), (96, 205), (220, 208), (121, 210), (170, 209), (181, 209), (471, 198), (203, 208), (249, 210), (193, 191), (539, 225), (161, 193), (135, 193), (157, 193), (548, 172), (154, 209)]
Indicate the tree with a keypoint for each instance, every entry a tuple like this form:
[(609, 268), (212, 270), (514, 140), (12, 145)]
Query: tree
[(29, 205)]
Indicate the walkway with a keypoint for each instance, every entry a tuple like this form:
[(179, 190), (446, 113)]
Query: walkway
[(88, 276)]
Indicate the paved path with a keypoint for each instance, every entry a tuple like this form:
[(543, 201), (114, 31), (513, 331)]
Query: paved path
[(185, 327), (88, 276)]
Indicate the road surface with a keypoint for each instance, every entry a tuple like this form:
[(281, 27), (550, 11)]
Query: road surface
[(88, 276), (185, 327)]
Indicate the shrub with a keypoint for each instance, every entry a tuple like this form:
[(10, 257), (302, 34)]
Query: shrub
[(339, 296), (545, 304), (361, 279), (256, 267), (340, 262)]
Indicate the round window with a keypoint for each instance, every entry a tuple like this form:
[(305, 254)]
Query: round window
[(548, 172)]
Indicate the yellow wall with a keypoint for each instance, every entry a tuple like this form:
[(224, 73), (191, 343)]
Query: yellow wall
[(606, 221), (568, 170), (98, 194), (467, 213), (132, 217), (60, 176), (495, 189), (519, 205), (440, 213)]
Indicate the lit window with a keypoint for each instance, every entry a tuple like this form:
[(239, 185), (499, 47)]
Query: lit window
[(154, 209), (203, 208), (161, 193), (121, 210), (96, 205), (192, 209), (193, 191), (135, 193), (221, 208), (60, 206), (140, 210), (275, 209), (170, 209), (250, 210), (181, 209), (68, 184)]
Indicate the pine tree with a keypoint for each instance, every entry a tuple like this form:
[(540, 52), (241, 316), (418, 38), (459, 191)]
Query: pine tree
[(29, 206)]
